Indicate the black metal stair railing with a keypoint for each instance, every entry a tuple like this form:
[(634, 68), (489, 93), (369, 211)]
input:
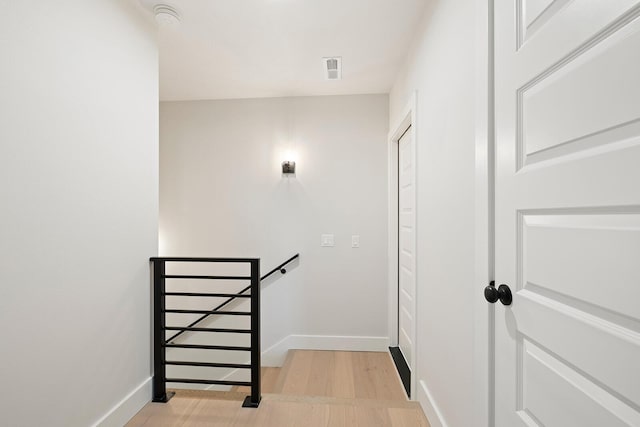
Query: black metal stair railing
[(231, 297), (160, 344)]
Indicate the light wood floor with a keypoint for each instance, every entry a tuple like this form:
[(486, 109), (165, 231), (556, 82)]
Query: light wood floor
[(270, 377), (313, 388)]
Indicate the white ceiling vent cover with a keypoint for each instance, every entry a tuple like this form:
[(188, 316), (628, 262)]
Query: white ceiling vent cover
[(332, 68)]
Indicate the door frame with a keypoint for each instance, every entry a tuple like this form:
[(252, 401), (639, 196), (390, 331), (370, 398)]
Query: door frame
[(484, 316), (407, 118), (484, 313)]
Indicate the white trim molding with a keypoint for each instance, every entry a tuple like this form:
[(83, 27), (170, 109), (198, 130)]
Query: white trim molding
[(124, 410), (484, 190), (408, 117), (276, 354), (431, 409)]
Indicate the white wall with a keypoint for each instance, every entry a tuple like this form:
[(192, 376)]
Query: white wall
[(222, 194), (78, 217), (440, 66)]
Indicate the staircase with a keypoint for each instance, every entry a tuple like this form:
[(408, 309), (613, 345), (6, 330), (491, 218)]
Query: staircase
[(312, 388), (184, 296)]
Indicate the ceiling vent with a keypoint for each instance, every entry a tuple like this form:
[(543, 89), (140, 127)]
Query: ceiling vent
[(332, 68)]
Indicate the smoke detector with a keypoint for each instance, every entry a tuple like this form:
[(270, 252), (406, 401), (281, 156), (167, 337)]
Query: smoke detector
[(332, 68), (166, 15)]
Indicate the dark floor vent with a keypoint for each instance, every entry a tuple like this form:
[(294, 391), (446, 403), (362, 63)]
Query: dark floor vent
[(403, 369)]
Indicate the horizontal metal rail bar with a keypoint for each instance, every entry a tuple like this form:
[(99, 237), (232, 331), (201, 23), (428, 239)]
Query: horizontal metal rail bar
[(197, 294), (220, 330), (209, 347), (204, 316), (195, 381), (190, 276), (210, 313), (208, 364), (196, 259), (201, 318)]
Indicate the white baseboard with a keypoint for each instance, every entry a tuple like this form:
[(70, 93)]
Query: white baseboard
[(277, 353), (431, 410), (124, 410)]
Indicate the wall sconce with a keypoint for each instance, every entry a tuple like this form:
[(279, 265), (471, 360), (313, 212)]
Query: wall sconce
[(288, 168)]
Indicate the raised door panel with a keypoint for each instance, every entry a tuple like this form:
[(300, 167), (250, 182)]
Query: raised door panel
[(406, 247), (568, 213)]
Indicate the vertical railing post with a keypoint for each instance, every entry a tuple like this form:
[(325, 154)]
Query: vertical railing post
[(254, 400), (159, 367)]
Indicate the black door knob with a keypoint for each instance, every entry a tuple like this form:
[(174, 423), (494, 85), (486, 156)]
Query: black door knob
[(502, 293)]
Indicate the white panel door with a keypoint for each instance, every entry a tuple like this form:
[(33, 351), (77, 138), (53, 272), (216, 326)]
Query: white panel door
[(406, 246), (567, 75)]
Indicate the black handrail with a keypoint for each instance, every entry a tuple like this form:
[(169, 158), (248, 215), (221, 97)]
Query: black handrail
[(231, 298), (280, 267), (159, 329)]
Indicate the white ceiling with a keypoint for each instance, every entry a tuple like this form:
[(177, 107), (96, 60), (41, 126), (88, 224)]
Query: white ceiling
[(265, 48)]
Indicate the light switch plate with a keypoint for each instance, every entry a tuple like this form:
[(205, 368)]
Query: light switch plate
[(355, 241), (326, 240)]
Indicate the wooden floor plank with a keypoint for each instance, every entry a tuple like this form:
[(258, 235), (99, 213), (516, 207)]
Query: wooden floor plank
[(319, 389), (319, 375), (298, 372), (342, 377), (401, 417), (342, 416), (368, 375), (284, 371), (269, 378), (374, 417), (375, 377), (280, 411)]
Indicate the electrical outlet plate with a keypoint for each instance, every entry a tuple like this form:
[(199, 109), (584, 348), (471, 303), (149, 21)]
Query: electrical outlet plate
[(326, 240)]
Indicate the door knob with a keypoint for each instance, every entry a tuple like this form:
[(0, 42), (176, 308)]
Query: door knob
[(502, 293)]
